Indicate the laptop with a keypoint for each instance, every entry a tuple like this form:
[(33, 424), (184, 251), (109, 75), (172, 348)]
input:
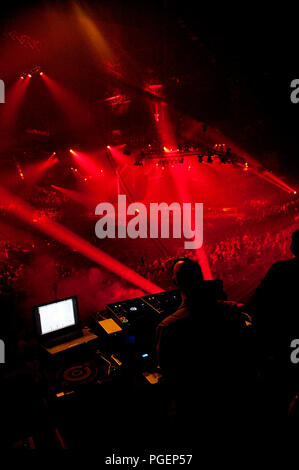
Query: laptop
[(58, 326)]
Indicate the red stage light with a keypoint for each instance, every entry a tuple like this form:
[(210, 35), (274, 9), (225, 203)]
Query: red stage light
[(86, 162), (29, 75), (72, 106), (10, 112), (41, 73), (108, 147), (34, 171), (77, 196)]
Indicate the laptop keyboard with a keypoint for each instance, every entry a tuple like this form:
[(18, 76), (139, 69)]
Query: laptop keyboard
[(63, 339)]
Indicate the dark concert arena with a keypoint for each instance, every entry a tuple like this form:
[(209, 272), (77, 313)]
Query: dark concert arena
[(149, 165)]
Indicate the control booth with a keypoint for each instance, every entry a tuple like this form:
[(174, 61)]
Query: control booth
[(104, 371), (96, 383)]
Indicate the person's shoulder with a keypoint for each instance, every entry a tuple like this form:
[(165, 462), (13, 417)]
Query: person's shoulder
[(288, 262), (283, 265), (180, 315)]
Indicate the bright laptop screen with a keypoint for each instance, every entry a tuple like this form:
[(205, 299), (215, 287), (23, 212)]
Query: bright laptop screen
[(56, 316)]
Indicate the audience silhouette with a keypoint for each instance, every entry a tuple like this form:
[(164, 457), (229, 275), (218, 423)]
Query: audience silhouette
[(274, 308), (202, 350), (274, 305), (214, 361)]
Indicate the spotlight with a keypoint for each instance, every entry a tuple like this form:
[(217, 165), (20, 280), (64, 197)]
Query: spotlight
[(108, 147), (72, 151), (41, 73), (29, 75), (22, 77)]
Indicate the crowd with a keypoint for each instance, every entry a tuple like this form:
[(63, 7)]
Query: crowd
[(231, 258), (241, 257)]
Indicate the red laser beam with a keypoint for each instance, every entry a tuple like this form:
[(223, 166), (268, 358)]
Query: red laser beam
[(77, 196), (34, 171), (9, 114), (75, 109), (85, 162), (25, 212), (162, 120)]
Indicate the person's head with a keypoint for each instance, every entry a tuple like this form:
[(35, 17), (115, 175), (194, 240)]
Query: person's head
[(295, 243), (187, 275)]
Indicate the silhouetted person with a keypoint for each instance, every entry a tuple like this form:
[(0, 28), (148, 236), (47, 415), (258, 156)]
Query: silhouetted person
[(275, 303), (200, 349), (275, 310)]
